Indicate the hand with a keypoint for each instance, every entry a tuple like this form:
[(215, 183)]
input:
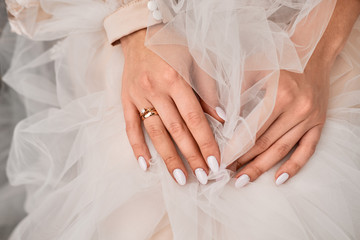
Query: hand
[(298, 118), (148, 81), (301, 104)]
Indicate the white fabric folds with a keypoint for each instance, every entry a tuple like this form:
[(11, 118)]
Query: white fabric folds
[(72, 155)]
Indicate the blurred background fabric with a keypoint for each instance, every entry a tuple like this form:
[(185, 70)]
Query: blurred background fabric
[(11, 111)]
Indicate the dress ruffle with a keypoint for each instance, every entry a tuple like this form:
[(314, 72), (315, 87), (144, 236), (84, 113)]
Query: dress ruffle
[(72, 155)]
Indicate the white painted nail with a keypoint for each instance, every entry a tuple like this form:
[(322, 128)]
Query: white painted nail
[(282, 178), (179, 176), (142, 163), (201, 176), (213, 164), (242, 181), (221, 113)]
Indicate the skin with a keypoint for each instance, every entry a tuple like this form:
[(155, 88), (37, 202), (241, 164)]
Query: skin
[(300, 109), (298, 116), (148, 81)]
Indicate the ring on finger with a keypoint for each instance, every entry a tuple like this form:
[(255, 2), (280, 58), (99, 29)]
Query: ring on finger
[(148, 112)]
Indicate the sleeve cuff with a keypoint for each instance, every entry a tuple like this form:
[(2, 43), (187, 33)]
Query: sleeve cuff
[(128, 19)]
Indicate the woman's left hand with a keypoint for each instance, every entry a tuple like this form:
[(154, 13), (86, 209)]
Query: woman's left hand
[(300, 108), (298, 117)]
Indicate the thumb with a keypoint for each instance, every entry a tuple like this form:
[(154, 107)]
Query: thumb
[(206, 88), (216, 113)]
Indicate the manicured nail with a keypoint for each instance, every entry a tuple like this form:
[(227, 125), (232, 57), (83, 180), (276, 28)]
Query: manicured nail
[(282, 178), (201, 176), (142, 163), (242, 181), (179, 176), (213, 163), (221, 113)]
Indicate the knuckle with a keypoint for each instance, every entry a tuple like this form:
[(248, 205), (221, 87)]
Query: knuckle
[(206, 145), (257, 170), (145, 83), (171, 161), (283, 149), (238, 164), (263, 143), (137, 147), (306, 104), (192, 159), (176, 129), (295, 166), (131, 127), (170, 75), (155, 131), (286, 94), (194, 119)]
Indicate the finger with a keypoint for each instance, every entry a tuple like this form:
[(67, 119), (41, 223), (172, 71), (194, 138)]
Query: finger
[(275, 115), (184, 140), (256, 149), (207, 90), (300, 157), (251, 153), (164, 145), (218, 113), (135, 135), (269, 110), (195, 119), (281, 126), (270, 157)]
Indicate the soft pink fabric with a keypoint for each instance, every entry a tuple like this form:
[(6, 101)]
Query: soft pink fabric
[(128, 19)]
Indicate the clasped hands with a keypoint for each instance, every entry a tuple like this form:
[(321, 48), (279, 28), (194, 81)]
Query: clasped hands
[(148, 81)]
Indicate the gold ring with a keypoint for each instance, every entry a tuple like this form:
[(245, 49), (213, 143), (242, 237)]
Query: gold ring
[(148, 112)]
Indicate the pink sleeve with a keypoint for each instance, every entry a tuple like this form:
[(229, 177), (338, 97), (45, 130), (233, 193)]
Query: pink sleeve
[(128, 19)]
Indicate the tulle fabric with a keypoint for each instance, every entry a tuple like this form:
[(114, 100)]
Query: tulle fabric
[(72, 155), (238, 48), (11, 112)]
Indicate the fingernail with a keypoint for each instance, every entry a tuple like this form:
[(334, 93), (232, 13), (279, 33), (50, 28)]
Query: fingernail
[(201, 176), (213, 163), (142, 163), (221, 113), (282, 178), (179, 176), (242, 181)]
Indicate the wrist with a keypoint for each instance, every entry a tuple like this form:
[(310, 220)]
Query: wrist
[(133, 40), (337, 32), (325, 53)]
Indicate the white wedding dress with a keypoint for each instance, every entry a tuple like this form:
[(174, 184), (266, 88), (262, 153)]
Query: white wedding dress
[(72, 156)]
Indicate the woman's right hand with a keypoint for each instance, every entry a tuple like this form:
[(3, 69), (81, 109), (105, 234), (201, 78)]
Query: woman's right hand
[(148, 81)]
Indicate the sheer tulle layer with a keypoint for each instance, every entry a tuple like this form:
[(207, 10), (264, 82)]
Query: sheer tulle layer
[(238, 48), (73, 157)]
